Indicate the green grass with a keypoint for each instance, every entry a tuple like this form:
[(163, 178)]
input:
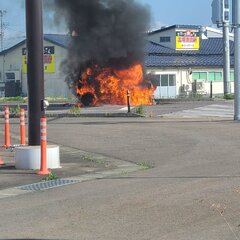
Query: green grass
[(15, 110), (100, 161), (139, 110), (89, 158), (75, 110), (144, 165), (22, 99), (12, 99), (55, 99), (229, 96), (86, 157), (50, 176)]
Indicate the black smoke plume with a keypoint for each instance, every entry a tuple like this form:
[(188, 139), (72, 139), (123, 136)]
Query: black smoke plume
[(104, 32)]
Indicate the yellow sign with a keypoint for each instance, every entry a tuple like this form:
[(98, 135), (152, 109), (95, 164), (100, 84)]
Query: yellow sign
[(48, 60), (187, 40), (24, 60)]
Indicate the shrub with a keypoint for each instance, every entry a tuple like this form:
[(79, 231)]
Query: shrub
[(139, 110), (75, 110)]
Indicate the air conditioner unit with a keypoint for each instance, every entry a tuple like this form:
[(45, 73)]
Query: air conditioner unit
[(200, 86), (186, 87), (12, 76)]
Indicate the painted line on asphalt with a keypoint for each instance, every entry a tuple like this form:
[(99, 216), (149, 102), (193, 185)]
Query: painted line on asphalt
[(208, 111)]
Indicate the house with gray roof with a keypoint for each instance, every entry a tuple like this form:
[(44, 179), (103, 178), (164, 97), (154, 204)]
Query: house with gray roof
[(183, 57), (179, 57), (13, 68)]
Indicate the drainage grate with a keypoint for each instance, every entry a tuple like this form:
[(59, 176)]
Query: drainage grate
[(48, 184)]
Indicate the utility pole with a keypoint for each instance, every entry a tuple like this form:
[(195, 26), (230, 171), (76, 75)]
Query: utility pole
[(2, 13), (236, 24), (226, 55), (226, 44), (221, 17), (35, 73)]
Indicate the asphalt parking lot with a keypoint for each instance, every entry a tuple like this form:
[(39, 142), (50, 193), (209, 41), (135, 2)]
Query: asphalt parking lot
[(189, 190)]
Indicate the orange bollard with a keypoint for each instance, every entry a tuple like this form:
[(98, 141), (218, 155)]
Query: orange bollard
[(1, 161), (7, 128), (22, 127), (43, 167)]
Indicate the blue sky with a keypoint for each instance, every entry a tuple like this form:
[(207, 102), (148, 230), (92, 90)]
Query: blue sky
[(170, 12), (164, 13)]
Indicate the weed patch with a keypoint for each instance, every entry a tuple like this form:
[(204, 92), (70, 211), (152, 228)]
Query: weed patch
[(144, 165), (50, 176)]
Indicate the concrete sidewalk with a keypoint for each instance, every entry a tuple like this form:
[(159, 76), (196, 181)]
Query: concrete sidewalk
[(76, 165)]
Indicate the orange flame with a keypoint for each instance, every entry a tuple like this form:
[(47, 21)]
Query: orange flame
[(110, 86)]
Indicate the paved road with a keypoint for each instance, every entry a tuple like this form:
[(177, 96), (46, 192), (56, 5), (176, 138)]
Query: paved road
[(192, 191), (214, 110)]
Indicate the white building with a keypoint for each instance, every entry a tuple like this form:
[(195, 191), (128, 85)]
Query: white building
[(179, 55), (13, 68)]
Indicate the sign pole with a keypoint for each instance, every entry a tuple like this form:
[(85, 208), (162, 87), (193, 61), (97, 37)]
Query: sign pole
[(35, 73), (236, 22), (221, 17), (226, 69)]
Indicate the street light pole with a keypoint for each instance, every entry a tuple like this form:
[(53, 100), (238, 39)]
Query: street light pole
[(236, 23), (226, 69), (35, 73), (2, 12)]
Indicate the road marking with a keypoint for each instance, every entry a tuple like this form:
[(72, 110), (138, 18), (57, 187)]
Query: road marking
[(125, 108), (214, 110)]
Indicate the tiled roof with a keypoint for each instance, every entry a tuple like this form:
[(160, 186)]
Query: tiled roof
[(154, 48), (185, 61), (213, 46), (62, 40), (210, 54), (175, 26), (207, 47)]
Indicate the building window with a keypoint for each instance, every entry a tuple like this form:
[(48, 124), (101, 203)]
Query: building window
[(200, 76), (232, 76), (167, 80), (215, 76), (164, 80), (10, 76), (155, 79), (172, 80), (165, 39)]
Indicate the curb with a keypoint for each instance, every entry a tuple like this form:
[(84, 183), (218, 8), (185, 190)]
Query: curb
[(122, 167), (70, 115)]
